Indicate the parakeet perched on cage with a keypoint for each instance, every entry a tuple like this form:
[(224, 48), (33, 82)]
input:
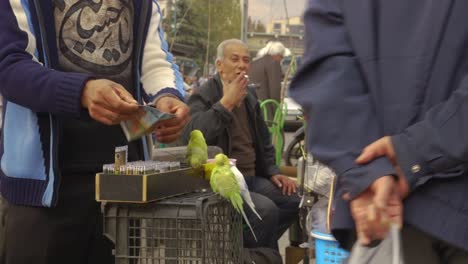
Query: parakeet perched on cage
[(208, 167), (244, 190), (197, 150), (223, 181)]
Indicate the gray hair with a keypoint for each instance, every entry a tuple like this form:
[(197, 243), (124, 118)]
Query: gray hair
[(273, 48), (222, 46)]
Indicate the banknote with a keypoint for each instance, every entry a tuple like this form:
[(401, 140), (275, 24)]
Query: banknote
[(136, 128)]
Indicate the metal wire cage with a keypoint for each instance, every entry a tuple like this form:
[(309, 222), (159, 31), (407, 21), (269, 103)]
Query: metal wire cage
[(197, 228)]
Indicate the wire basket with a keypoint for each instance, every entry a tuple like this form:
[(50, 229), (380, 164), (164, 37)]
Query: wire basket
[(327, 250), (197, 228)]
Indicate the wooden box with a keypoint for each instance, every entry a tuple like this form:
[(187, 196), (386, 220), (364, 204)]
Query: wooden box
[(149, 187)]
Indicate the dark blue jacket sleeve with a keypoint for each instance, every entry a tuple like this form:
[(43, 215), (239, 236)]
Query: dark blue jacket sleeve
[(437, 146), (340, 112), (24, 80)]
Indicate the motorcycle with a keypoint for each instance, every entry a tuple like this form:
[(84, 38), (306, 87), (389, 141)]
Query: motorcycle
[(296, 148)]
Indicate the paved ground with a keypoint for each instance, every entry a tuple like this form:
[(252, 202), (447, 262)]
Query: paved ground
[(283, 243)]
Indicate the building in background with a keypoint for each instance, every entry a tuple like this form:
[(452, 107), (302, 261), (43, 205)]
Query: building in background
[(295, 26), (294, 42), (290, 33)]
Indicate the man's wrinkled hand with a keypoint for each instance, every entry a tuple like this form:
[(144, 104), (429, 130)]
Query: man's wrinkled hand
[(384, 147), (287, 185), (108, 102), (379, 148), (169, 130), (375, 208), (234, 92)]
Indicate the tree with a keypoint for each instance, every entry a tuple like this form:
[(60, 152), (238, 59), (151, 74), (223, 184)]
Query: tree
[(260, 27), (226, 22), (187, 25), (250, 24), (255, 25), (192, 25)]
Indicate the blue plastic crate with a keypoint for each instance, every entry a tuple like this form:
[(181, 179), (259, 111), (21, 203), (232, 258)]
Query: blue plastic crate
[(327, 250)]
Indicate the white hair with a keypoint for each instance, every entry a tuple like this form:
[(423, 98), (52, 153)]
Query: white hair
[(222, 46), (273, 48)]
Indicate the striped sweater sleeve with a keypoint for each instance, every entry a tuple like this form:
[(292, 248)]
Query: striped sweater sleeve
[(160, 75), (24, 80)]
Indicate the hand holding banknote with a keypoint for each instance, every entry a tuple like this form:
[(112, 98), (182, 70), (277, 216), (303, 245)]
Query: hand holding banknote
[(167, 120), (108, 102), (170, 129)]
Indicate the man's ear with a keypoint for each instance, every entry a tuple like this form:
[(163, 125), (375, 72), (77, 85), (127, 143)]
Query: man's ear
[(219, 66)]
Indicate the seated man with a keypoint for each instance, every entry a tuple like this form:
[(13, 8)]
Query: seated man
[(228, 114)]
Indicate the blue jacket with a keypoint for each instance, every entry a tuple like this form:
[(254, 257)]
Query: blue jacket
[(36, 96), (377, 67)]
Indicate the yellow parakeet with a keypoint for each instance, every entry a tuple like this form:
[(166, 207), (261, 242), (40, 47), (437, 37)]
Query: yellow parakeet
[(223, 182), (197, 151)]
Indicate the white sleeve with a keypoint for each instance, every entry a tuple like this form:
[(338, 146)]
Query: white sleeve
[(158, 69)]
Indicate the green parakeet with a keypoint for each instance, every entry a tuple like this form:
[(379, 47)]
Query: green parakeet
[(208, 169), (197, 150), (223, 181), (244, 189)]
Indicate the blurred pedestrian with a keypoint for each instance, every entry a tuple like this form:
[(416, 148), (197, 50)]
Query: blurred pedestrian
[(394, 70), (265, 70)]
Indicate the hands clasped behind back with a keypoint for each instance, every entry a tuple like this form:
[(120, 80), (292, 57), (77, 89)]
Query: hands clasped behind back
[(375, 208), (109, 102), (382, 202), (383, 147)]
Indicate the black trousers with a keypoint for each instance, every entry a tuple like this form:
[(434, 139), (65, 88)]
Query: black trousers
[(278, 212), (419, 247), (69, 233)]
